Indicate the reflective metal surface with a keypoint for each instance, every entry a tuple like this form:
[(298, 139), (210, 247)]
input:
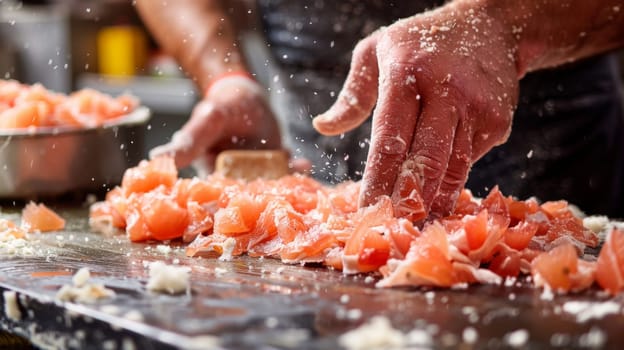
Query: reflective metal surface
[(252, 303), (54, 161)]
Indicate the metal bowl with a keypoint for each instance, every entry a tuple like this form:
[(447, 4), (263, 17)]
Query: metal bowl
[(55, 161)]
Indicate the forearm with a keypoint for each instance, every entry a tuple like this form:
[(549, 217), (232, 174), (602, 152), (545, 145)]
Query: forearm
[(197, 33), (548, 33)]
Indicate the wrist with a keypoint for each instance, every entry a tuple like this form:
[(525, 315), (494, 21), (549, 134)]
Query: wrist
[(517, 20), (238, 74), (547, 33), (489, 28), (523, 45)]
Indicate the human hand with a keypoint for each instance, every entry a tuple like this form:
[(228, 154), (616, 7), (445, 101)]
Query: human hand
[(234, 114), (445, 85)]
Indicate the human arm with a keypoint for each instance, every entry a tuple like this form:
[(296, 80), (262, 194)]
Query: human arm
[(233, 111), (445, 84)]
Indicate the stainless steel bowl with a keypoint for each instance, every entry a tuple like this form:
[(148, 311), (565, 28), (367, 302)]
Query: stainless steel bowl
[(56, 161)]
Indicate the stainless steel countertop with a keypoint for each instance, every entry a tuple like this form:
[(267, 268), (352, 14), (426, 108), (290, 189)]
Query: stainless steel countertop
[(261, 303)]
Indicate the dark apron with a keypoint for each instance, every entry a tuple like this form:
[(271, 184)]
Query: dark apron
[(566, 141)]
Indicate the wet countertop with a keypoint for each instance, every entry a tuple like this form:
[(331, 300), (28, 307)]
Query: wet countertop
[(250, 303)]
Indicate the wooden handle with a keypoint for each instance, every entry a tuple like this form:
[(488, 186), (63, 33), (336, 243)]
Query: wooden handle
[(252, 164)]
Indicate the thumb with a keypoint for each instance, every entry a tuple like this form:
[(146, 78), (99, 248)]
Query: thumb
[(358, 95)]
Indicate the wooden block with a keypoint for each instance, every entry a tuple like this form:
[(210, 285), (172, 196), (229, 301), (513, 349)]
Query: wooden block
[(252, 164)]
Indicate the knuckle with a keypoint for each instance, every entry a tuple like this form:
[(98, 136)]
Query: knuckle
[(390, 143), (457, 172), (363, 48), (432, 164)]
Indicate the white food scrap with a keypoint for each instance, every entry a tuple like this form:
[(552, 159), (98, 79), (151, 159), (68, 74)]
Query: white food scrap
[(228, 249), (11, 307), (378, 333), (163, 249), (134, 315), (81, 277), (14, 240), (587, 310), (517, 338), (81, 291), (168, 278), (596, 223)]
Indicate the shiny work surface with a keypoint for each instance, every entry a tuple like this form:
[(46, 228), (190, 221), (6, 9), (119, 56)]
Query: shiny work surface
[(264, 304)]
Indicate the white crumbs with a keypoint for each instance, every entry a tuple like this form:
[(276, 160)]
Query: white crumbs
[(547, 293), (81, 277), (595, 338), (586, 310), (470, 335), (83, 292), (134, 315), (168, 278), (202, 342), (228, 249), (163, 249), (369, 279), (16, 247), (378, 333), (596, 223), (11, 308), (517, 339)]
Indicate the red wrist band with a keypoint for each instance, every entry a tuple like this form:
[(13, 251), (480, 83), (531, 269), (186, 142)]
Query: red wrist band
[(237, 73)]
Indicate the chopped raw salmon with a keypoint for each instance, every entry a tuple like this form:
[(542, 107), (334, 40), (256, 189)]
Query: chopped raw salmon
[(164, 218), (298, 220), (38, 217), (149, 175), (561, 270), (610, 264), (32, 106), (427, 263)]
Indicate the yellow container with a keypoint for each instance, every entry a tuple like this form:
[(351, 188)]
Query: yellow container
[(122, 50)]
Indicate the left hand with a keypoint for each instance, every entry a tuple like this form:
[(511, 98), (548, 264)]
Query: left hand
[(233, 115), (445, 85)]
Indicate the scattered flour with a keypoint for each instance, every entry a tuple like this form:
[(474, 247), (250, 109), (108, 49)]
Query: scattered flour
[(378, 333), (595, 338), (587, 310)]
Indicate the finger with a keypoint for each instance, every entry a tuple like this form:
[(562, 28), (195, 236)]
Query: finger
[(394, 122), (300, 165), (204, 164), (358, 95), (202, 130), (456, 173), (421, 173)]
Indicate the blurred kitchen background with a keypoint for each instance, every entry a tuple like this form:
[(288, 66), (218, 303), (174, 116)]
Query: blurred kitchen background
[(102, 44)]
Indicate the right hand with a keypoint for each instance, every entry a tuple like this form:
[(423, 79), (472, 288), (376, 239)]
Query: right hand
[(442, 86), (234, 114)]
